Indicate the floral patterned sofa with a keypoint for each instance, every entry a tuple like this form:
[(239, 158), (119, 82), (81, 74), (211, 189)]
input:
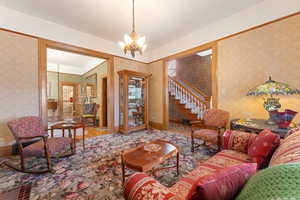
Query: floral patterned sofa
[(142, 187)]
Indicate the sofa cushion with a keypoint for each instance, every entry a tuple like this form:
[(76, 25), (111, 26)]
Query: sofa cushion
[(278, 182), (226, 158), (238, 140), (224, 184), (263, 146), (207, 135), (288, 151)]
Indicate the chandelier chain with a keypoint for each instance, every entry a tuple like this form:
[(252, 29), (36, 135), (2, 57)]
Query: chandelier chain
[(133, 17)]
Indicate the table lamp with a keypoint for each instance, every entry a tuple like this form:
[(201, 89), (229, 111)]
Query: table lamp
[(270, 89)]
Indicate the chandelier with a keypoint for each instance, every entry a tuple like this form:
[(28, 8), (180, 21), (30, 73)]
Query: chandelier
[(133, 42)]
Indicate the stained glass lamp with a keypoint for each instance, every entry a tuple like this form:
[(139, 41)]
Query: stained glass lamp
[(269, 89)]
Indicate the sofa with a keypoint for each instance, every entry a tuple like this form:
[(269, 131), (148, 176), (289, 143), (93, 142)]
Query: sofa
[(140, 186)]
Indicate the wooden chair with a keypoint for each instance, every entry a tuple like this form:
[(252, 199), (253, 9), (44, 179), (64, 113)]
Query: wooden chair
[(210, 128), (26, 129), (89, 113)]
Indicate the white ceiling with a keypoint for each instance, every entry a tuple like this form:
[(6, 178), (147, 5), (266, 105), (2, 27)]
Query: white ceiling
[(162, 21), (72, 63)]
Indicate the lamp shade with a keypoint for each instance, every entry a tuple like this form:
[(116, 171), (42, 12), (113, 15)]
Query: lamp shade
[(271, 87)]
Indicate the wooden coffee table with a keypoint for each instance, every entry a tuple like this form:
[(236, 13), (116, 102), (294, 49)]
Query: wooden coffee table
[(69, 126), (139, 159)]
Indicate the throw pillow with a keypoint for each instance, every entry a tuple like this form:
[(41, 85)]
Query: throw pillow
[(238, 140), (224, 184), (263, 146), (278, 182)]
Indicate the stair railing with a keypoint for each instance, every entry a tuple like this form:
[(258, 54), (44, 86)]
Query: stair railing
[(186, 96)]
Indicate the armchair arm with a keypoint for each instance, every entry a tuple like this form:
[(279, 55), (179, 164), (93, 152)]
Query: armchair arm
[(142, 187), (32, 137)]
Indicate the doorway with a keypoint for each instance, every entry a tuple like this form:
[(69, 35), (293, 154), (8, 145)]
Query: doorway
[(190, 81), (73, 85), (68, 100)]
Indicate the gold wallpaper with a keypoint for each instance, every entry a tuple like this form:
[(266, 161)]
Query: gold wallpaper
[(248, 59), (18, 80)]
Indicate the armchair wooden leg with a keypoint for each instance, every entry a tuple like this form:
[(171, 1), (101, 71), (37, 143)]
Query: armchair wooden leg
[(192, 136), (47, 155)]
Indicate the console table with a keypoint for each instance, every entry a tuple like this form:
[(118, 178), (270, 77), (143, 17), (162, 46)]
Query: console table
[(256, 126)]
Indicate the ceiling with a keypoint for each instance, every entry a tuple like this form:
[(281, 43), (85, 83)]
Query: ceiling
[(162, 21), (70, 62)]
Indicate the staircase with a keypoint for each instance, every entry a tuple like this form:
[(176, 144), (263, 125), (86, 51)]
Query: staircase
[(189, 101)]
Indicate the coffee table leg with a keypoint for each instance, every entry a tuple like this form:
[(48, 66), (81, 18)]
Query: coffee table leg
[(74, 139), (63, 130), (123, 170), (177, 163)]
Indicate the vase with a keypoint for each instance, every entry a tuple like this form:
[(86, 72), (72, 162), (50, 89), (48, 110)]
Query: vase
[(283, 119)]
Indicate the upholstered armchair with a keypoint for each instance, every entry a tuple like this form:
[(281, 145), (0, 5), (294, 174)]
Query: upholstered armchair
[(210, 128), (31, 129)]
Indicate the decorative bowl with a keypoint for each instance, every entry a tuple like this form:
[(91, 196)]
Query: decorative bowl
[(152, 147), (283, 119)]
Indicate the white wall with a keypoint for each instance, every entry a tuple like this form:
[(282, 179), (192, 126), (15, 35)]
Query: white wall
[(20, 22), (261, 13)]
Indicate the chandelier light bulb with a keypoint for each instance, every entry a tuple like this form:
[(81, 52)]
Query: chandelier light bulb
[(132, 42)]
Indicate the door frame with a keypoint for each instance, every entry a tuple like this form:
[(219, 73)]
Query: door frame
[(43, 44), (214, 64), (60, 100)]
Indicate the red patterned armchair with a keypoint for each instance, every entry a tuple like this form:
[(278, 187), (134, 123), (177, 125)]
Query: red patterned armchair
[(210, 128), (142, 187), (29, 128)]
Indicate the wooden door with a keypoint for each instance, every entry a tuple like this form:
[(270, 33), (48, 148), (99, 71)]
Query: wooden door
[(67, 98)]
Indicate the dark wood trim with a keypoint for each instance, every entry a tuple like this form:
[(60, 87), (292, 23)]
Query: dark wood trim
[(165, 96), (42, 81), (156, 125)]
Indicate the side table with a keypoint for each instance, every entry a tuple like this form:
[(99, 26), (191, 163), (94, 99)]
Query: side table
[(69, 126), (256, 126)]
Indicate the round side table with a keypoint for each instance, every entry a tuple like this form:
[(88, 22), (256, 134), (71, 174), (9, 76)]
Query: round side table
[(69, 126)]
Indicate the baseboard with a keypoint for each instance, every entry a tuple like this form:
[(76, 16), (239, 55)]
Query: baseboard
[(158, 126), (6, 150)]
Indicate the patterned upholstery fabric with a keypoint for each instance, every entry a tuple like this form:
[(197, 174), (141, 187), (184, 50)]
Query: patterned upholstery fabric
[(27, 127), (290, 132), (142, 187), (288, 151), (55, 146), (187, 185), (216, 117), (207, 135), (278, 182), (263, 146), (238, 140), (226, 158), (225, 183)]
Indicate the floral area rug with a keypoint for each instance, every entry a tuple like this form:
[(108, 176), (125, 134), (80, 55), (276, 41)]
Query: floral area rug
[(96, 173)]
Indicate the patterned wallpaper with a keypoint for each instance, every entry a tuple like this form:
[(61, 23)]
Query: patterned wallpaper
[(248, 59), (18, 80)]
